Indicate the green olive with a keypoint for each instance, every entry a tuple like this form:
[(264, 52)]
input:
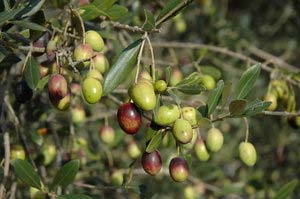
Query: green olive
[(247, 153), (160, 86), (36, 193), (167, 114), (17, 152), (143, 96), (270, 97), (91, 90), (176, 77), (49, 153), (214, 139), (95, 74), (201, 151), (208, 82), (190, 114), (191, 144), (101, 63), (83, 51), (182, 131), (95, 40)]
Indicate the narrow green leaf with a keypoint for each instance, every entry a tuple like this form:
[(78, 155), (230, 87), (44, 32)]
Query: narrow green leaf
[(203, 110), (214, 97), (286, 190), (157, 105), (150, 133), (26, 173), (36, 138), (247, 81), (66, 174), (226, 93), (192, 89), (43, 82), (31, 72), (171, 9), (103, 4), (8, 15), (193, 78), (28, 25), (237, 107), (116, 12), (174, 96), (31, 8), (122, 67), (149, 21), (90, 11), (168, 74), (74, 196), (256, 107), (154, 142)]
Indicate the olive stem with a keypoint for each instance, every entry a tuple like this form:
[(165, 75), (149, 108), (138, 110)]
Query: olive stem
[(139, 59), (152, 59), (247, 129)]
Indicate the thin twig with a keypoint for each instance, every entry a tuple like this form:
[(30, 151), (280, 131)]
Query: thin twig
[(139, 60), (6, 163), (153, 68)]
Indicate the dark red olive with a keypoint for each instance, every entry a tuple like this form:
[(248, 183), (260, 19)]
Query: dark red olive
[(151, 162), (129, 118)]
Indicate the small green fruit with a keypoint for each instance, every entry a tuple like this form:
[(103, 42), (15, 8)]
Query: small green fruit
[(160, 86), (143, 96), (167, 114), (208, 82), (214, 139), (189, 193), (83, 51), (95, 40), (117, 178), (78, 115), (191, 144), (36, 193), (49, 153), (176, 77), (270, 97), (182, 131), (247, 153), (133, 150), (17, 152), (201, 151), (95, 74), (101, 63), (190, 114), (107, 134), (91, 90)]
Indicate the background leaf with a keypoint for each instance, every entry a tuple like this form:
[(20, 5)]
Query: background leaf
[(32, 73), (74, 196), (256, 107), (122, 67), (247, 81), (26, 173), (237, 107), (286, 190), (212, 71), (28, 25), (149, 21), (31, 8), (214, 97), (154, 142), (66, 174)]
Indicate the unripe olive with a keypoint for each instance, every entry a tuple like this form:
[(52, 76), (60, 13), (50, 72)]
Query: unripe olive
[(294, 122), (101, 63), (178, 169), (191, 144), (176, 77), (95, 40), (270, 97), (83, 51), (182, 131), (247, 153), (95, 74), (145, 75), (49, 153), (78, 115), (36, 193), (107, 134), (214, 139), (190, 114), (17, 152), (281, 88), (117, 178), (189, 193), (151, 162), (133, 150), (201, 151), (167, 114), (91, 90), (208, 82), (160, 86), (61, 104), (143, 96), (180, 26), (57, 86)]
